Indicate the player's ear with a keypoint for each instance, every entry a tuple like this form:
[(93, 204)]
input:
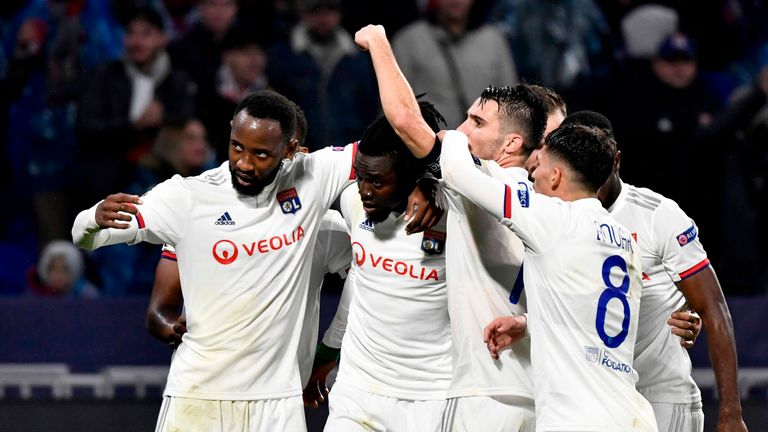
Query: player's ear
[(617, 162), (290, 148), (556, 178), (512, 143)]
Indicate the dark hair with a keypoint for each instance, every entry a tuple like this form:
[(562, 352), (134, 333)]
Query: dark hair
[(380, 139), (267, 104), (521, 110), (551, 99), (301, 125), (148, 15), (587, 150), (590, 119)]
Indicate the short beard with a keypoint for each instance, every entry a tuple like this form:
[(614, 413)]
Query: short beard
[(255, 188)]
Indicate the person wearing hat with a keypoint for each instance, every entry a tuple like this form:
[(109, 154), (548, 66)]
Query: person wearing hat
[(660, 114)]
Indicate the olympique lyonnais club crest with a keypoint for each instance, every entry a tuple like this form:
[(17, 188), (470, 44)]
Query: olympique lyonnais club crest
[(289, 201), (592, 353), (433, 242)]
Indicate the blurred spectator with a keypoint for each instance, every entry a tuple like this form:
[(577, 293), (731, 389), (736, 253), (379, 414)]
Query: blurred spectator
[(199, 52), (392, 14), (645, 28), (48, 50), (659, 114), (453, 59), (268, 21), (321, 70), (59, 273), (127, 101), (242, 71), (130, 270), (182, 150), (563, 44), (738, 135)]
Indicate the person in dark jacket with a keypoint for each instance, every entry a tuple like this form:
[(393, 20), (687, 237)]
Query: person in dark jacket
[(321, 70), (127, 101)]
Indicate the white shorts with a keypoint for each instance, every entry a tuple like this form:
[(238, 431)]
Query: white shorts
[(353, 410), (489, 414), (199, 415), (672, 417)]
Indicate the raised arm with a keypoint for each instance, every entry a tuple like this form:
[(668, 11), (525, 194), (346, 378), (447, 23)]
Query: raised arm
[(397, 98), (703, 293)]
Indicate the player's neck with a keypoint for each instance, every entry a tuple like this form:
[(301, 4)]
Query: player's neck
[(609, 193), (574, 192), (511, 160)]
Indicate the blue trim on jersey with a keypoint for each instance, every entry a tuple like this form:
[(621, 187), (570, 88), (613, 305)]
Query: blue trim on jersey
[(517, 289)]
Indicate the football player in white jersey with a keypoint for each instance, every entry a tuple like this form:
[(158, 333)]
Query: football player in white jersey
[(237, 367), (396, 360), (483, 257), (676, 275), (562, 403), (332, 254)]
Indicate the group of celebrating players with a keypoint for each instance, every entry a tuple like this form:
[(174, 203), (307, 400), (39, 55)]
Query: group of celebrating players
[(503, 277)]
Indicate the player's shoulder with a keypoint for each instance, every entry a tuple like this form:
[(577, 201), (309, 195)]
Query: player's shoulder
[(644, 198), (218, 176), (659, 205)]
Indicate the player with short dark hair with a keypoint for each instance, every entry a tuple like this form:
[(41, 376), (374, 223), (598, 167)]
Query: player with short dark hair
[(256, 214), (484, 257), (396, 348), (546, 226), (677, 275)]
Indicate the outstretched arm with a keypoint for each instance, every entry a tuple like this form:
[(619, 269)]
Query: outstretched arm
[(703, 293), (397, 98), (106, 223)]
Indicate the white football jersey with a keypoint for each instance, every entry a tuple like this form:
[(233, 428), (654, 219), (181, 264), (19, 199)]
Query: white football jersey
[(484, 282), (398, 339), (332, 254), (244, 266), (670, 251), (582, 279)]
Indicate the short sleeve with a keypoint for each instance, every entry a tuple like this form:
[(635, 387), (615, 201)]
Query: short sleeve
[(164, 213), (334, 335), (168, 252), (334, 243), (679, 245), (333, 167)]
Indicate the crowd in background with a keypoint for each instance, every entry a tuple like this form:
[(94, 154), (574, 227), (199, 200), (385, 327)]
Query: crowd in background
[(105, 96)]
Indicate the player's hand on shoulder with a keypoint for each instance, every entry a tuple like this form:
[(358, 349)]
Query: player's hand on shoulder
[(503, 332), (112, 210), (687, 325), (368, 34), (421, 212)]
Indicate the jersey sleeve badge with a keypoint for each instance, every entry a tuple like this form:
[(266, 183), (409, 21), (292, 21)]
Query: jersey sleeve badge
[(289, 201), (687, 236)]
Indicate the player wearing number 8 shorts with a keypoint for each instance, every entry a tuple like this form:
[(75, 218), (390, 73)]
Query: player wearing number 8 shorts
[(582, 276)]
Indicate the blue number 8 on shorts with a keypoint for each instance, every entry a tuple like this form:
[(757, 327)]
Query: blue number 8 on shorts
[(611, 291)]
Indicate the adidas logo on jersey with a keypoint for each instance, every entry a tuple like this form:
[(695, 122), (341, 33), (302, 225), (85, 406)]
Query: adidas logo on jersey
[(224, 219), (367, 225)]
